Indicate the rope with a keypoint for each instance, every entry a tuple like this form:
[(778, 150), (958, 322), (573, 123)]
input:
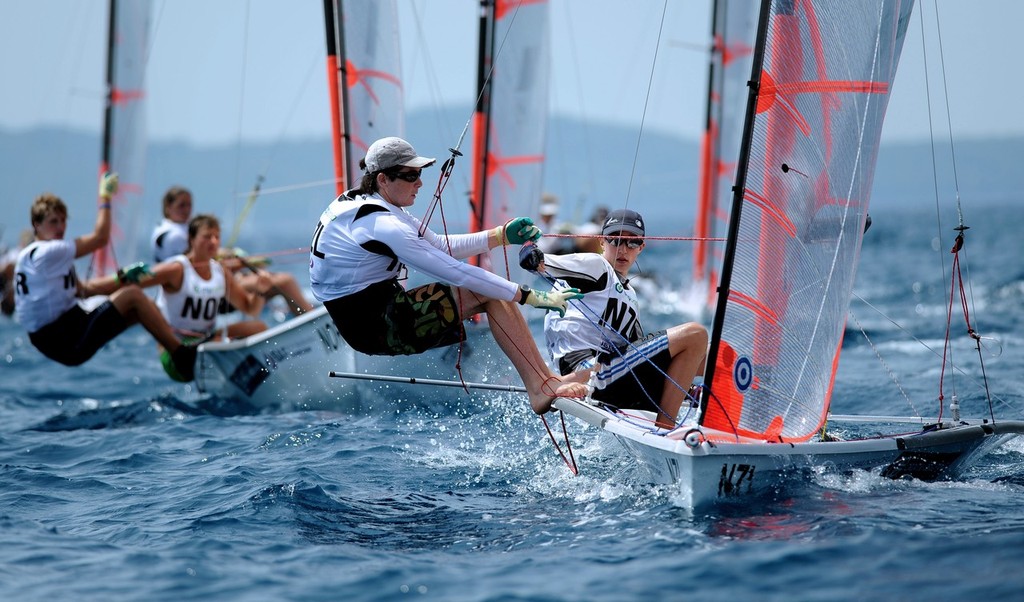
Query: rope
[(647, 101), (957, 286), (645, 238), (570, 461)]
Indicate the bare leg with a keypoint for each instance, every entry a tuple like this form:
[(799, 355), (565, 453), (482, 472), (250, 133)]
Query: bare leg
[(137, 308), (285, 285), (512, 334), (688, 344), (247, 328)]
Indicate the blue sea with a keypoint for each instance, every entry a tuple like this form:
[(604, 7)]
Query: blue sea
[(117, 484)]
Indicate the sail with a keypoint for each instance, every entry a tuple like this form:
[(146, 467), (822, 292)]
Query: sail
[(124, 129), (734, 24), (509, 129), (363, 47), (823, 70)]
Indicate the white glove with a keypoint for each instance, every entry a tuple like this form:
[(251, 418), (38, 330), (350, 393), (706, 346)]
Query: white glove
[(550, 300)]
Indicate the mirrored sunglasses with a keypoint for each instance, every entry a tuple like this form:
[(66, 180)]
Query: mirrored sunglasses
[(631, 243)]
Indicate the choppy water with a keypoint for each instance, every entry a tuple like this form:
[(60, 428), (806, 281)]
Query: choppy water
[(118, 484)]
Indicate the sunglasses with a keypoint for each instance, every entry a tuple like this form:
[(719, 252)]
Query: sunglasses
[(631, 243), (408, 176)]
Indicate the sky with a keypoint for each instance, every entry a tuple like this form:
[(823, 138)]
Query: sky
[(225, 71)]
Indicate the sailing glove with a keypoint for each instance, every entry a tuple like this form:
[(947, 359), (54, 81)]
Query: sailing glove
[(520, 230), (131, 274), (108, 185), (550, 300), (530, 257)]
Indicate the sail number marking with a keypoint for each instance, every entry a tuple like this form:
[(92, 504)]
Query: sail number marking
[(736, 479)]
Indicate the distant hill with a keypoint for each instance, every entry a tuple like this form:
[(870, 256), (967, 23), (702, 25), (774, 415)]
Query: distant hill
[(588, 164)]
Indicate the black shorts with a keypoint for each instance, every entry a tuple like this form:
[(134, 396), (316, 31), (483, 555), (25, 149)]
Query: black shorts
[(634, 377), (385, 319), (77, 335), (641, 387)]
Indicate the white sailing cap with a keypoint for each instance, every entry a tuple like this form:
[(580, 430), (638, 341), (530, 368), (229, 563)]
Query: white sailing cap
[(393, 152)]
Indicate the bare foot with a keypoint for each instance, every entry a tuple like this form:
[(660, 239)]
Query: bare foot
[(580, 376), (541, 401)]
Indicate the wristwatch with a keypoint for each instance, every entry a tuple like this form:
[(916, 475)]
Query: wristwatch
[(525, 290)]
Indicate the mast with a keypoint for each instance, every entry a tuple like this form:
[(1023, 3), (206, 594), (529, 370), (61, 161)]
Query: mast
[(737, 204), (334, 33), (104, 259), (108, 109), (482, 119)]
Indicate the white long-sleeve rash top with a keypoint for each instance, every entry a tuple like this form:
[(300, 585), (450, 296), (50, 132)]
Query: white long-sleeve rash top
[(366, 240)]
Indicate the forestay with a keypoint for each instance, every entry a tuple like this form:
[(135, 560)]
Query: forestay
[(821, 85)]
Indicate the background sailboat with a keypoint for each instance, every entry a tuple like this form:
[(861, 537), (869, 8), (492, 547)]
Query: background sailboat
[(510, 118), (124, 129), (732, 30)]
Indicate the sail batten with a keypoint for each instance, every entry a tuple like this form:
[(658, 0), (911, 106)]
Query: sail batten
[(814, 124)]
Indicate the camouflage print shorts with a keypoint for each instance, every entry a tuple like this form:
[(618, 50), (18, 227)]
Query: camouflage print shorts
[(422, 318)]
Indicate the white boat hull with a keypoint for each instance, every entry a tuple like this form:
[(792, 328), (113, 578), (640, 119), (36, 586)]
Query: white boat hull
[(707, 468), (288, 366)]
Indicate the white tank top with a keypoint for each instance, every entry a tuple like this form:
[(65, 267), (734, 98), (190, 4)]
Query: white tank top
[(45, 283), (194, 307)]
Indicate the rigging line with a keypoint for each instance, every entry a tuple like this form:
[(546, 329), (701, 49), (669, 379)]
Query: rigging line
[(952, 154), (935, 187), (889, 371), (432, 80), (303, 89), (249, 202), (647, 101), (570, 461), (646, 238), (241, 100), (587, 146), (949, 122), (290, 188), (917, 340), (465, 129), (254, 194)]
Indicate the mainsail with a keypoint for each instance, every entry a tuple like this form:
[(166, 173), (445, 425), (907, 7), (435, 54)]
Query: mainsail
[(509, 125), (124, 128), (364, 80), (733, 27), (821, 78)]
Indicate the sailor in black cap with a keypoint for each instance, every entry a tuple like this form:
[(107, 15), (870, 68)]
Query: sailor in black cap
[(602, 334)]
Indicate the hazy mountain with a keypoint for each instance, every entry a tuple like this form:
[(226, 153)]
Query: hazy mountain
[(588, 164)]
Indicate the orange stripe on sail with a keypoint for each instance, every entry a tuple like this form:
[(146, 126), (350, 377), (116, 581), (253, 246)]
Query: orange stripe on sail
[(771, 210)]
